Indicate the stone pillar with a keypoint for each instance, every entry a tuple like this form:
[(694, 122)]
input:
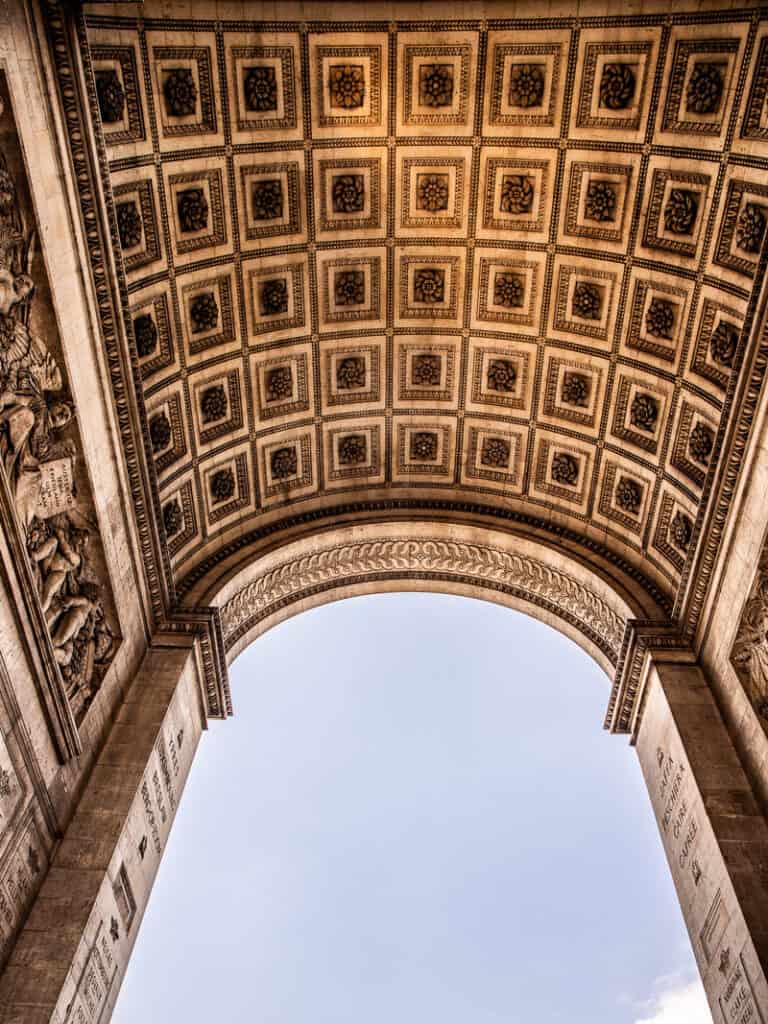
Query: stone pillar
[(714, 835), (71, 955)]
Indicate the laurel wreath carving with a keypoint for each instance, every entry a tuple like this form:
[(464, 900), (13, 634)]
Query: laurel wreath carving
[(482, 564)]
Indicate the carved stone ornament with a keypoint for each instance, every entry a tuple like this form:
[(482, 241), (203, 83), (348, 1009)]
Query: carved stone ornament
[(629, 495), (644, 412), (145, 333), (222, 484), (587, 301), (680, 211), (617, 86), (425, 370), (273, 297), (723, 343), (423, 446), (660, 319), (750, 648), (508, 290), (701, 442), (681, 530), (353, 450), (516, 193), (110, 95), (495, 452), (350, 373), (213, 403), (432, 192), (173, 519), (279, 384), (526, 85), (575, 389), (267, 199), (348, 193), (502, 375), (436, 85), (705, 88), (429, 285), (42, 461), (180, 92), (346, 86), (283, 463), (129, 225), (750, 228), (160, 432), (260, 89), (349, 288), (565, 469), (430, 555), (204, 312), (192, 208), (601, 201)]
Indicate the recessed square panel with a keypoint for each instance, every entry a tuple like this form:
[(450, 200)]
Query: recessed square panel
[(754, 123), (585, 300), (673, 529), (433, 192), (282, 382), (426, 371), (562, 470), (743, 225), (208, 313), (136, 214), (514, 198), (354, 452), (225, 481), (429, 286), (165, 424), (525, 80), (677, 209), (436, 83), (641, 408), (270, 200), (501, 377), (717, 334), (265, 103), (694, 440), (286, 465), (119, 91), (198, 209), (153, 332), (599, 199), (659, 306), (351, 374), (507, 290), (351, 287), (493, 455), (185, 90), (350, 191), (218, 405), (349, 83), (626, 492), (276, 292), (178, 514), (424, 448), (574, 390)]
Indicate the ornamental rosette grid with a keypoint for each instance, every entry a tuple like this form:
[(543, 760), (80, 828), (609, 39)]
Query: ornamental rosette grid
[(160, 432), (701, 442), (260, 89), (617, 86), (601, 201), (192, 208), (723, 343), (180, 93), (349, 288), (436, 85), (750, 228), (681, 531)]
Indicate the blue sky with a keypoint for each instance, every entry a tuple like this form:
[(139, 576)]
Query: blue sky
[(415, 816)]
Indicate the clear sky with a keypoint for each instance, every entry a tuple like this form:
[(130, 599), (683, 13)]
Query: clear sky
[(414, 817)]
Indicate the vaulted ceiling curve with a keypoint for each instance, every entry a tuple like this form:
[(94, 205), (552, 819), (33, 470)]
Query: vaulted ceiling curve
[(491, 268)]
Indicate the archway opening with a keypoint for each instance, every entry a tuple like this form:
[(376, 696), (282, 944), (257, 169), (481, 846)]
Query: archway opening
[(414, 815)]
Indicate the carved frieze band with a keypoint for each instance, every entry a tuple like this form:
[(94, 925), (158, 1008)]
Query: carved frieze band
[(425, 558)]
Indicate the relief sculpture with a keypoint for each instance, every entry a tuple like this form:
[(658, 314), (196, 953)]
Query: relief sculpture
[(40, 447), (750, 648)]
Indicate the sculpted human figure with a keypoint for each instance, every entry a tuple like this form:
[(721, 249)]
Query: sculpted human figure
[(58, 557), (750, 652)]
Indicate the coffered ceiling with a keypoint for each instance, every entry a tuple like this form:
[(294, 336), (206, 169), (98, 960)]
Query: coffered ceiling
[(476, 262)]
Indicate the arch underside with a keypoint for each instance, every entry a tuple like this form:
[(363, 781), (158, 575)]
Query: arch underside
[(497, 273)]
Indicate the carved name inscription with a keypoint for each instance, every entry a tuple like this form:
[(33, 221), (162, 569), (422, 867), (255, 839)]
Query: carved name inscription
[(680, 827), (95, 983), (19, 883), (737, 1001)]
